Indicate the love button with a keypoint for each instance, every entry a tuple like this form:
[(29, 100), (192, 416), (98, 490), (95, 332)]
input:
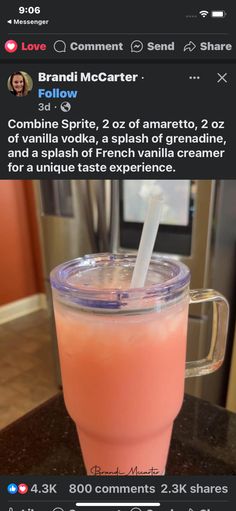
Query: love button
[(11, 46), (33, 46)]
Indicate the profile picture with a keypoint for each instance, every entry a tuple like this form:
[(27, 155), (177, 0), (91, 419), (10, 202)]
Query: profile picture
[(20, 83)]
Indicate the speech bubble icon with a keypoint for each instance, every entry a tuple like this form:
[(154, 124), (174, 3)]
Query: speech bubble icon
[(60, 46), (136, 46)]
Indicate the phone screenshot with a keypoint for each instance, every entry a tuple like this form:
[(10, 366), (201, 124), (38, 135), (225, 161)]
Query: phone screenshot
[(118, 242)]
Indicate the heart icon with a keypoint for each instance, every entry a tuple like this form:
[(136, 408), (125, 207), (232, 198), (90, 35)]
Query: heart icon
[(11, 46), (22, 488)]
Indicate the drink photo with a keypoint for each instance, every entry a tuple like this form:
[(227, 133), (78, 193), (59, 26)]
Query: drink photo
[(118, 347)]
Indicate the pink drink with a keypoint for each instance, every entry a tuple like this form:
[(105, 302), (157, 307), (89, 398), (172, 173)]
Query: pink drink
[(123, 384), (123, 372)]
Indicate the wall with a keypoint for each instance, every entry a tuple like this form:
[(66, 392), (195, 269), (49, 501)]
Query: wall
[(20, 261)]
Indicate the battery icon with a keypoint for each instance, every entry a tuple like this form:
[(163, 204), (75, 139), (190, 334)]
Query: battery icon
[(218, 14)]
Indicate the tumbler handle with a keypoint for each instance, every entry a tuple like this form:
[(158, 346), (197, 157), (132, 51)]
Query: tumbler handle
[(220, 320)]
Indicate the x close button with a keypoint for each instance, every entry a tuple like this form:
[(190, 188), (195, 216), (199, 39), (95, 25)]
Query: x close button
[(222, 78)]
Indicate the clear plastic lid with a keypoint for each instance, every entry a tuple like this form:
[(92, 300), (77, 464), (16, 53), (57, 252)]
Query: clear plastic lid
[(101, 281)]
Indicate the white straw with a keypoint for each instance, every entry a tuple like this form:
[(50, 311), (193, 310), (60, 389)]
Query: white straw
[(149, 233)]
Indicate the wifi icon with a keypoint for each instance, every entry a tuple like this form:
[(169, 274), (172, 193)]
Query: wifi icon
[(203, 13)]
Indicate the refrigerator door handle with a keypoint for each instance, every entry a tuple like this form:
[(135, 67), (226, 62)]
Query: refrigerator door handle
[(102, 228), (88, 207), (83, 205), (114, 233)]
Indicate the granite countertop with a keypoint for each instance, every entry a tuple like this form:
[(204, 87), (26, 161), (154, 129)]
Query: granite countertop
[(45, 442)]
